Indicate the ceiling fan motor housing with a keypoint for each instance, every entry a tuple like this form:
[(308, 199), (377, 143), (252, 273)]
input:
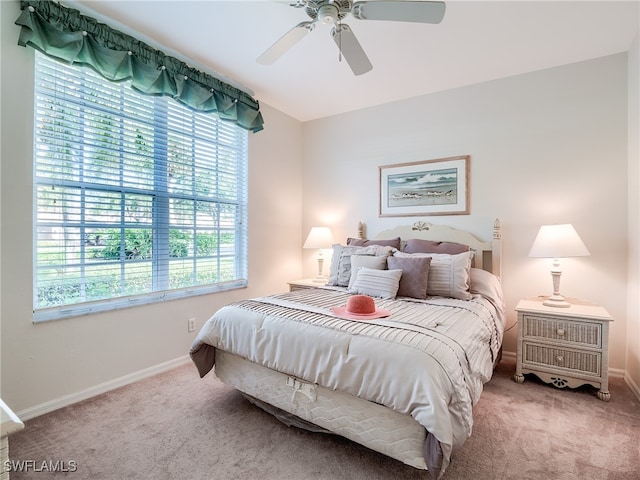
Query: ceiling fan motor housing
[(328, 12)]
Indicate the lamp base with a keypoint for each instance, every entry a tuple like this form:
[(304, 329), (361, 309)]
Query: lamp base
[(556, 301)]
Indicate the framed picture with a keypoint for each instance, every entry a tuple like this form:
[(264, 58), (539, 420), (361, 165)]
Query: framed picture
[(431, 187)]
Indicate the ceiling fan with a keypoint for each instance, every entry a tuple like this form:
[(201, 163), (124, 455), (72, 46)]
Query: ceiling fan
[(331, 12)]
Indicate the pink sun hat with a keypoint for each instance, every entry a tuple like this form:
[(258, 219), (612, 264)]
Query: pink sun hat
[(360, 307)]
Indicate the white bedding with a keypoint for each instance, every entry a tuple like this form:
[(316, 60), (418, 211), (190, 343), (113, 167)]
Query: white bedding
[(429, 359), (320, 409)]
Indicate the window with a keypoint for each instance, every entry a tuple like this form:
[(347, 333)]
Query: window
[(137, 198)]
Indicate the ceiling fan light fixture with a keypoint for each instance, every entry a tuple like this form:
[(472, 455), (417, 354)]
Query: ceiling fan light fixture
[(328, 14)]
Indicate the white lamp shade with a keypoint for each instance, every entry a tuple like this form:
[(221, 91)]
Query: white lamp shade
[(319, 237), (558, 241)]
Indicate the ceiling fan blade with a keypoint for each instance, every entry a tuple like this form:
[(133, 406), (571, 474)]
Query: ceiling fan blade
[(284, 43), (400, 11), (351, 49)]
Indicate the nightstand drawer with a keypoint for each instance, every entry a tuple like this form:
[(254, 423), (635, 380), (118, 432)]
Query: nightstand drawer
[(589, 363), (562, 330)]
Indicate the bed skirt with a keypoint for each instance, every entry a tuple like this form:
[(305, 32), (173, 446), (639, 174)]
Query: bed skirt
[(375, 426)]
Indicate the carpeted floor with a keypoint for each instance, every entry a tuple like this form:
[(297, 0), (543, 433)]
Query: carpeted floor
[(177, 426)]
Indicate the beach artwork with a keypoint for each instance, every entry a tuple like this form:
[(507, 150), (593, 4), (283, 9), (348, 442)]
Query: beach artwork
[(438, 187), (434, 187)]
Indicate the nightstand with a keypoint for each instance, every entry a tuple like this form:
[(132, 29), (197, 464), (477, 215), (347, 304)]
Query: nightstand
[(9, 423), (306, 283), (566, 347)]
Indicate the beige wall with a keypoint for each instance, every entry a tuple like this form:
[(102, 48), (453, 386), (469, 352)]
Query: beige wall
[(546, 147), (45, 365), (633, 291)]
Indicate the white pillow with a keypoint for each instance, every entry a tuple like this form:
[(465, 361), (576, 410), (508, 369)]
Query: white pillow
[(488, 285), (377, 283), (359, 261), (449, 275)]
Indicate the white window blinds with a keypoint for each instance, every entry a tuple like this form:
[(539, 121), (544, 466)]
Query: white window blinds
[(137, 198)]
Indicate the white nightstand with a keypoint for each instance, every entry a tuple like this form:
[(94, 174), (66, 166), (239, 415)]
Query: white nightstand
[(9, 423), (306, 283), (566, 347)]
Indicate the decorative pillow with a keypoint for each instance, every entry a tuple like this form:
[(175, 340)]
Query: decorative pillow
[(377, 283), (416, 245), (369, 261), (340, 270), (449, 275), (415, 275), (376, 250), (393, 242)]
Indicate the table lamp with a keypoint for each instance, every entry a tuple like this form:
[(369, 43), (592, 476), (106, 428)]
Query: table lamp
[(557, 241), (320, 238)]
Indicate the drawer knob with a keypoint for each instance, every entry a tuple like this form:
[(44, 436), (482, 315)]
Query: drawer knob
[(560, 332), (559, 359)]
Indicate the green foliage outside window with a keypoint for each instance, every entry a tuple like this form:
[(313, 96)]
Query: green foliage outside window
[(136, 195)]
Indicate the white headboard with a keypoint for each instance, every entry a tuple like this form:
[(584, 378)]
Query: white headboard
[(488, 254)]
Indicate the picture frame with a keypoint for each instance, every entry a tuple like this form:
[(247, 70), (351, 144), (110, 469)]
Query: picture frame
[(429, 187)]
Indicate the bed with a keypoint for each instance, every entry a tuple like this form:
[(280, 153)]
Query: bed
[(403, 385)]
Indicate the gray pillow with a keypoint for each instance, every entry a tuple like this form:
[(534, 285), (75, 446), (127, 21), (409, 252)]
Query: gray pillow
[(416, 245), (392, 242), (415, 275), (340, 271)]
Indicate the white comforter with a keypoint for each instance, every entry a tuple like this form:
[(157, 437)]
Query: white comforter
[(429, 359)]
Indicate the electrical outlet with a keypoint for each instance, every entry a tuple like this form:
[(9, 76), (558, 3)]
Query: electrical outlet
[(191, 325)]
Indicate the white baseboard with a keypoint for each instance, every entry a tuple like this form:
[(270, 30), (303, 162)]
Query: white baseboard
[(66, 400), (509, 355), (617, 372), (632, 385)]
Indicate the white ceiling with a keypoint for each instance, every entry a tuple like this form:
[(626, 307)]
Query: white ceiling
[(477, 41)]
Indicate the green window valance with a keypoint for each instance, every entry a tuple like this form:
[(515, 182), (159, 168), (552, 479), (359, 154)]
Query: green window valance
[(66, 34)]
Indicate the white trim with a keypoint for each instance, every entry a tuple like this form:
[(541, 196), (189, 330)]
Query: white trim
[(617, 372), (67, 400), (509, 355), (632, 385)]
